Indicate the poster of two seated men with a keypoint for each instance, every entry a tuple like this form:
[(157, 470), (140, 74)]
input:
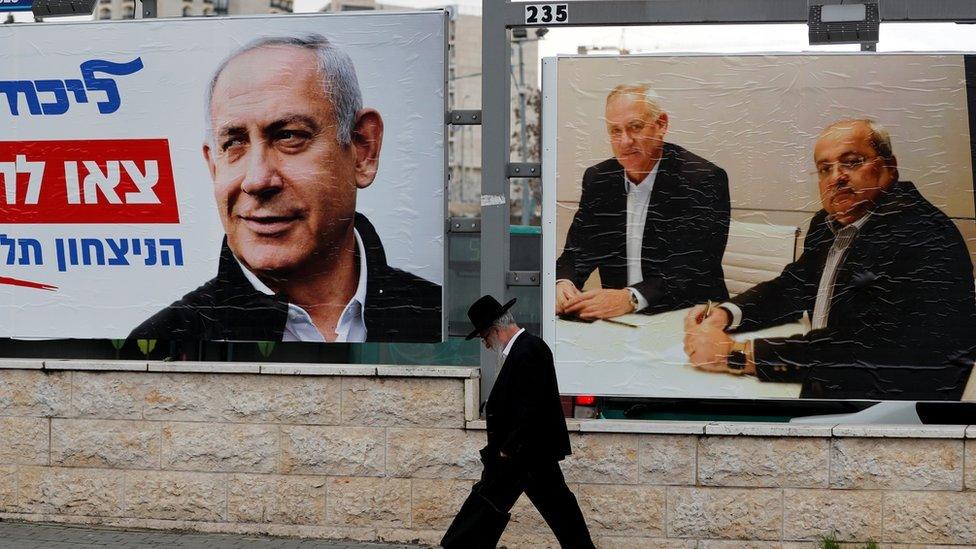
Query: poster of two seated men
[(763, 226)]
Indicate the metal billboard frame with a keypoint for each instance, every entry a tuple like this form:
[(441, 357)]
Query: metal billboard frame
[(500, 16)]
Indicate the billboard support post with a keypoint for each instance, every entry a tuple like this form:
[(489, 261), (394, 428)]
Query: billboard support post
[(499, 16)]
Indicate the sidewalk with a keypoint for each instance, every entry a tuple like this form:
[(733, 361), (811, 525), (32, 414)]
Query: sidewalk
[(18, 535)]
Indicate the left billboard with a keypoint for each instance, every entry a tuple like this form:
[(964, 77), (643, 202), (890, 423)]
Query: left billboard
[(242, 179)]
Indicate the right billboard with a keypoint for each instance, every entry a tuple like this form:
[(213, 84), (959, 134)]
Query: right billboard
[(761, 226)]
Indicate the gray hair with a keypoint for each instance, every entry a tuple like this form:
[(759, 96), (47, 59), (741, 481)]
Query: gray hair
[(505, 320), (643, 91), (339, 79)]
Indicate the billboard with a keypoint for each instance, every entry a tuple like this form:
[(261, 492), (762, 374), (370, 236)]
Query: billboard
[(761, 226), (242, 179)]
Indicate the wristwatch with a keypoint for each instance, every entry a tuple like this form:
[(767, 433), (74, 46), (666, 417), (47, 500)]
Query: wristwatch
[(736, 361), (634, 302)]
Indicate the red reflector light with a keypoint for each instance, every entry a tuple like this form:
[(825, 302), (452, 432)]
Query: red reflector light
[(585, 400)]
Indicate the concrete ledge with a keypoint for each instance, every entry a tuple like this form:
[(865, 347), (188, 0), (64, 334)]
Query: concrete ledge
[(900, 431), (206, 367), (971, 431), (21, 364), (428, 371), (97, 365), (640, 427), (767, 430)]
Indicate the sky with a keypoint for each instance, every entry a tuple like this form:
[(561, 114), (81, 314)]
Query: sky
[(700, 38)]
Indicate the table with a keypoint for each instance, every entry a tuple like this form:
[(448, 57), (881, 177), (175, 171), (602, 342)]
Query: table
[(609, 359)]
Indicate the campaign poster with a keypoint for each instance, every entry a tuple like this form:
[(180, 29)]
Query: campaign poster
[(225, 179), (761, 226)]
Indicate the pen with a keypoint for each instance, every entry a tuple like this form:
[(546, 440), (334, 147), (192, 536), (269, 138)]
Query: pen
[(708, 310), (621, 322)]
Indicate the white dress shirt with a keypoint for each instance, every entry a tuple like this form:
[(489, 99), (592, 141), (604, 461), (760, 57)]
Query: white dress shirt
[(843, 238), (638, 199), (352, 322), (508, 347)]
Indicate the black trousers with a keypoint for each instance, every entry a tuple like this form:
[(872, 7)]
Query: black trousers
[(484, 515)]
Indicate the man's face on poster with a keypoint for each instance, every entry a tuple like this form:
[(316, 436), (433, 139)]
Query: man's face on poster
[(285, 187), (851, 175), (636, 132)]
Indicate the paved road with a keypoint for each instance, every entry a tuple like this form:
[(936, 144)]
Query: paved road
[(16, 535)]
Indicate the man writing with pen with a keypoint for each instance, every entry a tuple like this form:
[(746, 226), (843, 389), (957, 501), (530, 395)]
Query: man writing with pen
[(885, 277)]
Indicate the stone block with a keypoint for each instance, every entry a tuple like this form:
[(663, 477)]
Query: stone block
[(434, 453), (175, 496), (24, 440), (514, 538), (930, 517), (69, 491), (110, 395), (276, 499), (410, 402), (244, 399), (724, 544), (525, 517), (896, 464), (220, 447), (364, 501), (333, 450), (763, 461), (847, 515), (34, 393), (623, 510), (667, 459), (602, 458), (725, 513), (437, 501), (8, 489), (970, 465), (607, 542), (121, 444)]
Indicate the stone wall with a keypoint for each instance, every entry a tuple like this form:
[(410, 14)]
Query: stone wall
[(385, 452)]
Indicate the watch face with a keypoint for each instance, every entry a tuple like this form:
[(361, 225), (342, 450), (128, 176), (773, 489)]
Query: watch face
[(737, 361)]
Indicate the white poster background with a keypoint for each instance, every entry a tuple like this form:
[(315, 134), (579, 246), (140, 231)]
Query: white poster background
[(400, 62)]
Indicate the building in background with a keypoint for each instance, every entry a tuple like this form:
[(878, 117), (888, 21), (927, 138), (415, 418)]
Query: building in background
[(126, 9)]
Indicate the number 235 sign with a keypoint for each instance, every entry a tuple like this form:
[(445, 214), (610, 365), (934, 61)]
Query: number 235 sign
[(546, 13)]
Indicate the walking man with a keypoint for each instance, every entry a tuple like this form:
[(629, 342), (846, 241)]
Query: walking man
[(527, 438)]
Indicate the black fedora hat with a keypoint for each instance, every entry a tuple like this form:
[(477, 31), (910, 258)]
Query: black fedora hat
[(485, 311)]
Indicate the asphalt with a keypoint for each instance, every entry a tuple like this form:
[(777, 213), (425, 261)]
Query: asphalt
[(18, 535)]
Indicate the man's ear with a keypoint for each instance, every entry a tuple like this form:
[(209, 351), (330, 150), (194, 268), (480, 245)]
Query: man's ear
[(662, 121), (209, 159), (367, 138)]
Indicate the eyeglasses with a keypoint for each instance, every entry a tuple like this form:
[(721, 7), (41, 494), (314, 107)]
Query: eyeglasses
[(846, 166)]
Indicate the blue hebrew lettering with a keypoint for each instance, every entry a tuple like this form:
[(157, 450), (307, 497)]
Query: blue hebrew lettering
[(60, 105), (177, 247), (13, 87), (107, 85), (87, 244), (4, 241), (26, 246), (150, 251), (59, 249), (119, 249), (77, 87)]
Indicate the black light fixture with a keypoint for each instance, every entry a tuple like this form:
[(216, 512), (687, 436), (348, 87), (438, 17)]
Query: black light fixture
[(61, 8), (843, 21)]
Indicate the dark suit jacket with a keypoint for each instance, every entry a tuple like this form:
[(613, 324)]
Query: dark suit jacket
[(902, 308), (523, 413), (399, 307), (684, 236)]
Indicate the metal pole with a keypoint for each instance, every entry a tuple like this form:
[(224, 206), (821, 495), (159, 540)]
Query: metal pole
[(523, 147), (496, 86)]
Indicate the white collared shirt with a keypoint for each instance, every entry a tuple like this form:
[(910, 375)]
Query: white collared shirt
[(508, 347), (843, 237), (299, 326), (638, 200)]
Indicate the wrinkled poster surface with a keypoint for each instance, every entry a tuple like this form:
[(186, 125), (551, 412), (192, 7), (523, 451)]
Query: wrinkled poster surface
[(761, 226), (255, 179)]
